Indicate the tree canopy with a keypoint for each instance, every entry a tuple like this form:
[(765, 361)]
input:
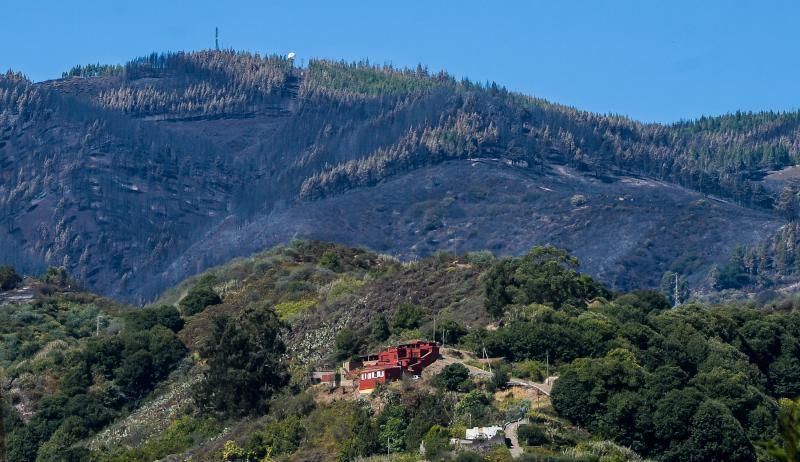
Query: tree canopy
[(545, 275), (245, 362)]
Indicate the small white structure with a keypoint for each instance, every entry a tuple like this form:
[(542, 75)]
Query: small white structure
[(482, 433), (480, 439)]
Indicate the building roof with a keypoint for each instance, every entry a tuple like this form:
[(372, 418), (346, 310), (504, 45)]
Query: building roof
[(482, 432), (379, 367)]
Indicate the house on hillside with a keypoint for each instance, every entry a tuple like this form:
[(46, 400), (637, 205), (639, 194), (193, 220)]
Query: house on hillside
[(392, 363)]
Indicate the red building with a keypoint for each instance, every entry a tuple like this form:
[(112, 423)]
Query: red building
[(391, 364)]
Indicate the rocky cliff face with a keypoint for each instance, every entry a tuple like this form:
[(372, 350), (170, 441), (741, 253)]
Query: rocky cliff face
[(140, 176)]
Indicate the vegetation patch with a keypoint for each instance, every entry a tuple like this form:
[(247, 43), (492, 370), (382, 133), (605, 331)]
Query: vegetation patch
[(290, 309)]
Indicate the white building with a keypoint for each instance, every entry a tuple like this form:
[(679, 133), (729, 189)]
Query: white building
[(482, 433)]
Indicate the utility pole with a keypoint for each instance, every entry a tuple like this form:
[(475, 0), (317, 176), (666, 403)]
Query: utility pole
[(547, 366), (97, 328), (434, 328)]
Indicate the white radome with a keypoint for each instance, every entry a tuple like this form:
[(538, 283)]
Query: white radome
[(290, 55)]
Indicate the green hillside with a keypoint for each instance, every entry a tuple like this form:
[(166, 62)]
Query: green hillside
[(218, 368)]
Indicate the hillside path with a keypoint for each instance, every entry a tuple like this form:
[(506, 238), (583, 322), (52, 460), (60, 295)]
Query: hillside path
[(510, 431)]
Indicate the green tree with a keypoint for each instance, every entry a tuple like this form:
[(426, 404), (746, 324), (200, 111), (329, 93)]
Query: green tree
[(436, 442), (763, 340), (330, 261), (426, 410), (475, 403), (449, 331), (146, 318), (166, 349), (9, 420), (787, 448), (135, 375), (8, 278), (645, 300), (784, 376), (453, 377), (788, 203), (500, 376), (499, 279), (198, 299), (59, 447), (672, 412), (716, 436), (245, 362), (22, 444), (348, 343), (546, 275), (407, 316), (380, 328), (584, 387), (56, 275), (278, 437), (393, 432)]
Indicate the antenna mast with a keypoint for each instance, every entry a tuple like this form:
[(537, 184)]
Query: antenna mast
[(216, 38), (677, 294)]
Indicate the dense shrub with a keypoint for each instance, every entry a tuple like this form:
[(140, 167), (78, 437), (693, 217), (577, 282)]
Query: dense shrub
[(407, 316), (8, 278), (56, 275), (198, 298), (453, 377), (146, 318), (531, 435), (110, 375), (467, 456), (182, 434)]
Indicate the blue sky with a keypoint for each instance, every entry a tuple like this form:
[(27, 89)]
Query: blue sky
[(651, 60)]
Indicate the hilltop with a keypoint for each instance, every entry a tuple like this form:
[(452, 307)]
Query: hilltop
[(133, 177)]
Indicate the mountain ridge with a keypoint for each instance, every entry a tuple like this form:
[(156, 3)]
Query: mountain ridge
[(153, 158)]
